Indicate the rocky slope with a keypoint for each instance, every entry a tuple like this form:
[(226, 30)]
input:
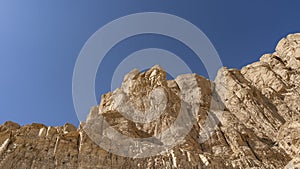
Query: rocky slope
[(248, 118)]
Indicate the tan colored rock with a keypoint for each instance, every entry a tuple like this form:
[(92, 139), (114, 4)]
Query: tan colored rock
[(248, 118), (289, 138)]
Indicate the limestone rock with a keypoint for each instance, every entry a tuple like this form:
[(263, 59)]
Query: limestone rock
[(248, 118)]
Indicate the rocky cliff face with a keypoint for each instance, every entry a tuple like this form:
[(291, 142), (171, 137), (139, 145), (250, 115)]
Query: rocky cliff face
[(248, 118)]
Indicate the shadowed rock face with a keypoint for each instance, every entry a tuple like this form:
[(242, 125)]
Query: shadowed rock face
[(253, 115)]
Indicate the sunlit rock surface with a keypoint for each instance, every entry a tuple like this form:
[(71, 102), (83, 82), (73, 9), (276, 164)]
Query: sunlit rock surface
[(248, 118)]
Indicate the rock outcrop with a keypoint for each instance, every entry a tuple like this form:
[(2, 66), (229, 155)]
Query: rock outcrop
[(248, 118)]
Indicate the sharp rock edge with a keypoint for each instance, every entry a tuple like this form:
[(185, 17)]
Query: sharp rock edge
[(256, 109)]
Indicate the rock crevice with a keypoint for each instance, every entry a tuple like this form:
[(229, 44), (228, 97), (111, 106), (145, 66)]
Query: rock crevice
[(248, 118)]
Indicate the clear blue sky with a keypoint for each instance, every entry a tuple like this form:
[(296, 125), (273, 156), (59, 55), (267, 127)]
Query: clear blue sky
[(40, 41)]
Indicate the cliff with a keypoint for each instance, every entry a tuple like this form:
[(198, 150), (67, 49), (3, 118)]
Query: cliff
[(248, 118)]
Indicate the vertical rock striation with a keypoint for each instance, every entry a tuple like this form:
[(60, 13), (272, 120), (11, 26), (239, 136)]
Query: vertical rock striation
[(248, 118)]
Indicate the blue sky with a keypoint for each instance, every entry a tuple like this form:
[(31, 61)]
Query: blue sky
[(40, 42)]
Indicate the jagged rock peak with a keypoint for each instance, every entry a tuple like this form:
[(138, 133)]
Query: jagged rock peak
[(246, 118)]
